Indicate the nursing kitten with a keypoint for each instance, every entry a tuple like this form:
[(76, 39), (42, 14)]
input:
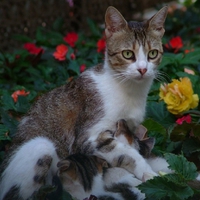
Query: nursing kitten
[(83, 175), (143, 145), (73, 115)]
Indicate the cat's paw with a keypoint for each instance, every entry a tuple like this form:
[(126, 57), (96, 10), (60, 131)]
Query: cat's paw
[(41, 169)]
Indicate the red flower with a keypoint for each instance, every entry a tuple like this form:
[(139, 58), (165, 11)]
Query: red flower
[(18, 93), (185, 118), (72, 56), (175, 44), (32, 48), (101, 45), (60, 53), (71, 38), (82, 68), (188, 50)]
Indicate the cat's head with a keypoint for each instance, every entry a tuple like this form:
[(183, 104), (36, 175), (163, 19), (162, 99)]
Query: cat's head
[(136, 139), (134, 49), (77, 171)]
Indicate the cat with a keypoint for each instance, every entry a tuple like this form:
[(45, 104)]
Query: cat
[(82, 175), (73, 115)]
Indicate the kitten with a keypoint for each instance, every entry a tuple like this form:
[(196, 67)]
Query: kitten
[(143, 145), (73, 115), (82, 175)]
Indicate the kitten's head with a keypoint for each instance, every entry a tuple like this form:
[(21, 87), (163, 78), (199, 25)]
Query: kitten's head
[(143, 145), (134, 49), (79, 170)]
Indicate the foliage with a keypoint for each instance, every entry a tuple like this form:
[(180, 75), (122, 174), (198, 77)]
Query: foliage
[(174, 186), (41, 65)]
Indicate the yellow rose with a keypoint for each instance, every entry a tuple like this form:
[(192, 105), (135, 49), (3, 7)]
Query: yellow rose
[(179, 96)]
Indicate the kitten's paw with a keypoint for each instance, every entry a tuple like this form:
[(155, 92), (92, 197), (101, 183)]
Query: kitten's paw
[(124, 161), (41, 169)]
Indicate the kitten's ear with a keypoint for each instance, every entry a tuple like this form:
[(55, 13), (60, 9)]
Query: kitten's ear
[(121, 127), (101, 162), (140, 132), (66, 165), (149, 142), (114, 21), (63, 165), (156, 23)]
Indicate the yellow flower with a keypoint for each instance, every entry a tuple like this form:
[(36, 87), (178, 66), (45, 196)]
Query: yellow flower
[(179, 96)]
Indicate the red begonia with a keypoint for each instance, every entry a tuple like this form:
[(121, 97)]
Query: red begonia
[(32, 48), (71, 38), (60, 53), (19, 93)]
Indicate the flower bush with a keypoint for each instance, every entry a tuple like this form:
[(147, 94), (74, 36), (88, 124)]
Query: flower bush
[(53, 58)]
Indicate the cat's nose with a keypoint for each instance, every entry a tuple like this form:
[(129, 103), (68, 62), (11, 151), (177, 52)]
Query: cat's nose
[(142, 70)]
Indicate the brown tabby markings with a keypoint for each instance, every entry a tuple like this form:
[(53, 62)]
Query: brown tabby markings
[(63, 115)]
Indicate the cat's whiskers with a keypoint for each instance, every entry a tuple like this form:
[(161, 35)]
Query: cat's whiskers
[(120, 77), (162, 77)]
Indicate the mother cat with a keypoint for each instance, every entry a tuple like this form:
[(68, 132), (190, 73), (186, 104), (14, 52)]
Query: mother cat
[(73, 115)]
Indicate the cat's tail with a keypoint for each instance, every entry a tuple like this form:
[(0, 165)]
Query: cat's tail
[(30, 166)]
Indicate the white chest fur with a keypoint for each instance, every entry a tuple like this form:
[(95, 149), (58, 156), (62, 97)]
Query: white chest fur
[(121, 101)]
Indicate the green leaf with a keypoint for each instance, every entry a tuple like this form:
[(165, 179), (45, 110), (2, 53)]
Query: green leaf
[(9, 122), (191, 57), (180, 132), (160, 188), (168, 59), (93, 27), (154, 126), (191, 145), (74, 66), (158, 112), (22, 104), (3, 131), (7, 101), (182, 167)]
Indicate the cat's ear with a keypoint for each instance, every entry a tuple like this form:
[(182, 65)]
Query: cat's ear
[(114, 21), (156, 23), (67, 167)]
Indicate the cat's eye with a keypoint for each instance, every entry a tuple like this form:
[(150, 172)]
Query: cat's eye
[(128, 54), (153, 54)]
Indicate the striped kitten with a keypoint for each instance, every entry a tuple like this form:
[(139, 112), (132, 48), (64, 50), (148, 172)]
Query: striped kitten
[(82, 175), (143, 145)]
